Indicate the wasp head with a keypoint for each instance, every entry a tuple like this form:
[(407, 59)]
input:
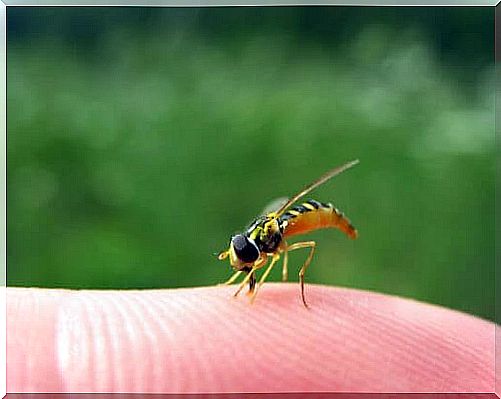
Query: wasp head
[(242, 252)]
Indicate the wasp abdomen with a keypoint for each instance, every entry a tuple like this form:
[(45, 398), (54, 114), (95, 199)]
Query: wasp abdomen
[(312, 215)]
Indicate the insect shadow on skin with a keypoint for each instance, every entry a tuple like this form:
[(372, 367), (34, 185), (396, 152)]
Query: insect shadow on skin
[(266, 238)]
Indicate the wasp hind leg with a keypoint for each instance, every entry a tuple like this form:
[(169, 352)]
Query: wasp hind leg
[(299, 245), (263, 277)]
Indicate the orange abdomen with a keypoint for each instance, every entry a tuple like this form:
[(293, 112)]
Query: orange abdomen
[(313, 215)]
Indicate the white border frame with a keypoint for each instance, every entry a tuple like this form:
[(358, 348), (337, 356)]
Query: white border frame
[(242, 3), (3, 198), (157, 3)]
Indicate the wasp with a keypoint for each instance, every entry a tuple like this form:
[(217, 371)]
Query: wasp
[(266, 237)]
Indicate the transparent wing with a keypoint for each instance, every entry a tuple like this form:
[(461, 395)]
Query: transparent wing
[(329, 175), (274, 205)]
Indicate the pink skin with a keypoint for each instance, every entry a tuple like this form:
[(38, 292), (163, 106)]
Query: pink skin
[(203, 340)]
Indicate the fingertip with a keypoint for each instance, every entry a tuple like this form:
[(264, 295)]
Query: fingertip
[(203, 340), (31, 345)]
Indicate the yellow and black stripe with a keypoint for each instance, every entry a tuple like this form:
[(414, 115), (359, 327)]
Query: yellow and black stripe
[(312, 215)]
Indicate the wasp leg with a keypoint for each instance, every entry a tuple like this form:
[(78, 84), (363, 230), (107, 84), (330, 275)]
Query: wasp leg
[(285, 272), (263, 277), (232, 278), (259, 263), (299, 245), (245, 280), (252, 284)]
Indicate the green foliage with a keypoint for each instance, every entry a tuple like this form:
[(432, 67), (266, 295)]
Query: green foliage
[(130, 165)]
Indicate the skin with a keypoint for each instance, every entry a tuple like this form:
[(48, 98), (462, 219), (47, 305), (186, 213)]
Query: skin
[(204, 340)]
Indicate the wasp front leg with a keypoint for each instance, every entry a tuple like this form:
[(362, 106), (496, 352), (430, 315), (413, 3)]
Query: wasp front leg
[(251, 278), (232, 279), (223, 255), (275, 259), (299, 245)]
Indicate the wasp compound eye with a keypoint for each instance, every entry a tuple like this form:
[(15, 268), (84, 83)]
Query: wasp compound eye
[(245, 249)]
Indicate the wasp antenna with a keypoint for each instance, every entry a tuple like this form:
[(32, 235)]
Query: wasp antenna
[(351, 163), (329, 175)]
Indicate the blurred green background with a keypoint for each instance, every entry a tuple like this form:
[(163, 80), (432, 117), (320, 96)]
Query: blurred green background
[(141, 139)]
